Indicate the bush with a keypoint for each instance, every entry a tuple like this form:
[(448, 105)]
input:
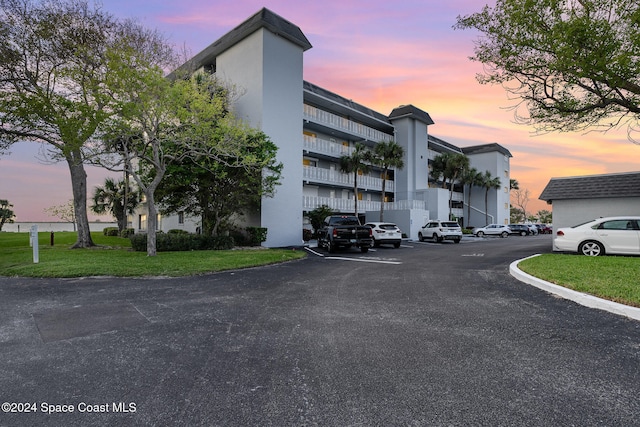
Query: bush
[(111, 231), (307, 234), (176, 242), (177, 231), (256, 235), (127, 232)]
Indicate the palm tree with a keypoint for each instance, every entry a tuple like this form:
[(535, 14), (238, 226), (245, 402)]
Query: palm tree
[(387, 154), (438, 168), (471, 178), (489, 182), (456, 164), (353, 164), (110, 198)]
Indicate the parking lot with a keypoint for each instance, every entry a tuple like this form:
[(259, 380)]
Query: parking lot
[(426, 334)]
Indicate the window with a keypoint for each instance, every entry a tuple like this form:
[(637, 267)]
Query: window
[(181, 217), (620, 224), (142, 222)]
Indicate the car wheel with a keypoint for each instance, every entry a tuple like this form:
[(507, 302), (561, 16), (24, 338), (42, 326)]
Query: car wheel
[(591, 248), (364, 249), (435, 237), (396, 245), (523, 233), (331, 247), (420, 237), (479, 234), (504, 234), (376, 244)]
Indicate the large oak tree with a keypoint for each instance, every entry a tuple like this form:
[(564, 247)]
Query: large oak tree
[(573, 63), (54, 72)]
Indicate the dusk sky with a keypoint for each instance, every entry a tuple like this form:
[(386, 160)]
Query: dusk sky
[(379, 54)]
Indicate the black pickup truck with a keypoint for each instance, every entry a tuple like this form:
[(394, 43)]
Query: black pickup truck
[(344, 231)]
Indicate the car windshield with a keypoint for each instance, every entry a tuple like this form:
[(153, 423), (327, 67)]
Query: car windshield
[(345, 221), (450, 224)]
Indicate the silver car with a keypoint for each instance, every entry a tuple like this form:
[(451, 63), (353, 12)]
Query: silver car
[(492, 230)]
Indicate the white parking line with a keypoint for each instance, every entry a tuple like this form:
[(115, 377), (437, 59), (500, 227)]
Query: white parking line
[(376, 261)]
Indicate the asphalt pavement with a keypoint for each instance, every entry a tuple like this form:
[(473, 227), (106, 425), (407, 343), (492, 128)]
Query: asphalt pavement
[(425, 335)]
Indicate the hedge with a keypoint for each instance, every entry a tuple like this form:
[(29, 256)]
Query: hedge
[(175, 242)]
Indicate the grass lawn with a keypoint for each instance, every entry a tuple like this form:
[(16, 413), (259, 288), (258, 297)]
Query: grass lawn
[(616, 278), (113, 257)]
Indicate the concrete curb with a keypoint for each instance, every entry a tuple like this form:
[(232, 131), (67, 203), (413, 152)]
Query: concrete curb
[(579, 297)]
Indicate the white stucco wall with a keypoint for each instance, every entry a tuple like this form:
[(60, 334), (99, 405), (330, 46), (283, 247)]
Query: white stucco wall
[(268, 71), (567, 213), (498, 201), (414, 177)]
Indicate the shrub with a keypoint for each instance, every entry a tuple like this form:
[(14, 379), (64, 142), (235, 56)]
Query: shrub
[(127, 232), (177, 231), (307, 234), (111, 231), (175, 242), (256, 235)]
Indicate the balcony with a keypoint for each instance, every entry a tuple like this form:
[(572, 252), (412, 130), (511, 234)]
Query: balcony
[(343, 124), (347, 205), (336, 178), (328, 148)]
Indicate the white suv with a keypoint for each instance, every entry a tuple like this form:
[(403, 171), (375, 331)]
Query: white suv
[(441, 230)]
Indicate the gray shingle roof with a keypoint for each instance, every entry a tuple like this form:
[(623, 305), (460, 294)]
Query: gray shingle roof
[(486, 148), (411, 111), (593, 187), (264, 18)]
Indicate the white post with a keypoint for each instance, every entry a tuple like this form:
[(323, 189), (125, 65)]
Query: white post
[(34, 243)]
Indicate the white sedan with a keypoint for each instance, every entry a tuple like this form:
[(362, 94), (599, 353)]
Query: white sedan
[(612, 235)]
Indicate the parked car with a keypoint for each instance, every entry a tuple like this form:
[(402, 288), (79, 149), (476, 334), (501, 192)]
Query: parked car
[(611, 235), (533, 229), (385, 232), (441, 230), (544, 228), (520, 229), (492, 230), (344, 231)]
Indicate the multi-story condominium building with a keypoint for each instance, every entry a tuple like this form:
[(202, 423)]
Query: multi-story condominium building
[(313, 127)]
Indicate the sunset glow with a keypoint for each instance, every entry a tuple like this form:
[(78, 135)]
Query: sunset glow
[(379, 54)]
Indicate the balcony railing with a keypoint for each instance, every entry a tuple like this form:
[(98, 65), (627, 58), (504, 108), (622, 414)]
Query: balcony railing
[(329, 148), (333, 177), (347, 205), (341, 123)]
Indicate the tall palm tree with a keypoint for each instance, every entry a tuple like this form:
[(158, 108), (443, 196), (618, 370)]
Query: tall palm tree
[(471, 178), (353, 164), (111, 198), (456, 164), (489, 182), (387, 154), (438, 168)]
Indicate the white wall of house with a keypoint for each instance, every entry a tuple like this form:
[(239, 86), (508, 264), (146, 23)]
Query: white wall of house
[(268, 70), (567, 213)]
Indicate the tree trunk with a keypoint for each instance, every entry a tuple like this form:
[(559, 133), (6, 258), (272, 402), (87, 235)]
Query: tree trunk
[(355, 192), (79, 188), (384, 182), (152, 223)]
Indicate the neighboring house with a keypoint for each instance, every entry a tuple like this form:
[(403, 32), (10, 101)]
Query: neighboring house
[(313, 127), (580, 199)]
